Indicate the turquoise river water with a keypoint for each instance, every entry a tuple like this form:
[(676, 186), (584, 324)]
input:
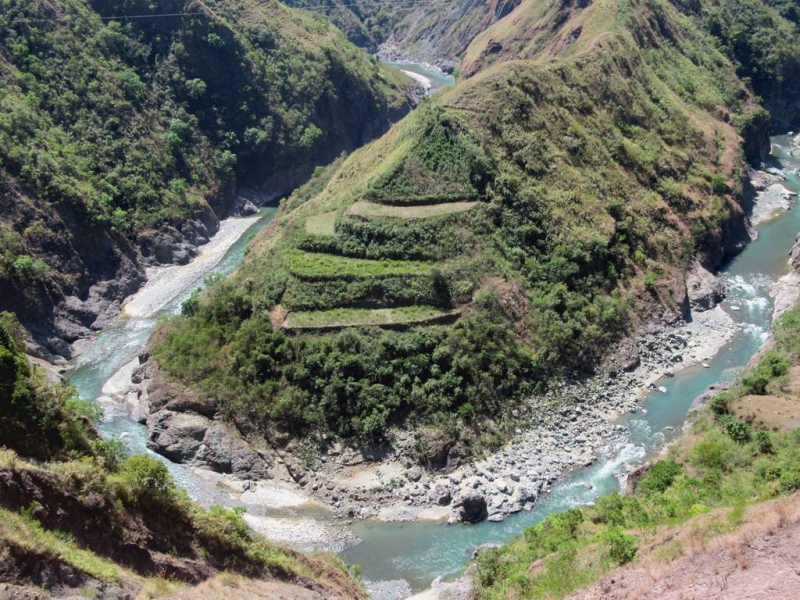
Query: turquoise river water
[(416, 553)]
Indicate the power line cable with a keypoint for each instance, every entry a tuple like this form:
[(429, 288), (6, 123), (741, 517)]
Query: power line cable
[(115, 18), (402, 4)]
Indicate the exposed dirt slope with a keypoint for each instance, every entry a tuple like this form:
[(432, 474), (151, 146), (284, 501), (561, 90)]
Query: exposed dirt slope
[(762, 561)]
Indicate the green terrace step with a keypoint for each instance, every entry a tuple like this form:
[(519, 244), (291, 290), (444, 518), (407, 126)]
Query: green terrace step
[(322, 224), (318, 266), (363, 317), (412, 199), (364, 208), (372, 292)]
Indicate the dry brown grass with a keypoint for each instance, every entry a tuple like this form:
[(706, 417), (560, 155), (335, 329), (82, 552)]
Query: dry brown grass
[(678, 558)]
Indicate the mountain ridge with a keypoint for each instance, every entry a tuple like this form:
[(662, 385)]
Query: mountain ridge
[(587, 178)]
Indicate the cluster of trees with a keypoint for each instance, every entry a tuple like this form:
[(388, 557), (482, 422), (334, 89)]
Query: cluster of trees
[(355, 383), (37, 419), (761, 42), (448, 163)]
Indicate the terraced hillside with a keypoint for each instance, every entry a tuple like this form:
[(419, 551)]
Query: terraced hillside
[(513, 228)]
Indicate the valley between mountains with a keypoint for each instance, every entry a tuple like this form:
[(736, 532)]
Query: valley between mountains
[(490, 306)]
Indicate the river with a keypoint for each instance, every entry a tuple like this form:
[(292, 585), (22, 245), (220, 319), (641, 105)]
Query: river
[(406, 557), (431, 80)]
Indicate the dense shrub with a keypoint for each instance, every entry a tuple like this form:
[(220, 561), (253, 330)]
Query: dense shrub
[(621, 546), (37, 419), (659, 477)]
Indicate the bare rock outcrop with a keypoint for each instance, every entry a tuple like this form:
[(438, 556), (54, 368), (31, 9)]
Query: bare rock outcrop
[(472, 508), (187, 428), (704, 289)]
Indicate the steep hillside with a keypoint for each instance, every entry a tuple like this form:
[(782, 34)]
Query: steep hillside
[(752, 33), (123, 141), (440, 32), (512, 229), (432, 32), (716, 517), (94, 523)]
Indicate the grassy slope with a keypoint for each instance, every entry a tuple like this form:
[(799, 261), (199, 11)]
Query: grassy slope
[(601, 162), (112, 129), (724, 466), (116, 520)]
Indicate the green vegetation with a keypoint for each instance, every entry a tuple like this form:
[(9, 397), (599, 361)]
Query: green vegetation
[(762, 42), (316, 267), (323, 224), (107, 515), (355, 383), (74, 80), (40, 420), (371, 209), (721, 464), (594, 172), (349, 317), (110, 129)]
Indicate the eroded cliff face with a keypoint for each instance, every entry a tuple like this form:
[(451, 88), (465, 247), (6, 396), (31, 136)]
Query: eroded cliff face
[(123, 143), (440, 33), (436, 33)]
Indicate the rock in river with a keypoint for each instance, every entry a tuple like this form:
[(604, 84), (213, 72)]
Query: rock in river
[(472, 508)]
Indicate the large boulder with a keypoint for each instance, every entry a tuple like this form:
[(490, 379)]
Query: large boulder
[(528, 492), (178, 436), (703, 288), (472, 508), (225, 451), (442, 494)]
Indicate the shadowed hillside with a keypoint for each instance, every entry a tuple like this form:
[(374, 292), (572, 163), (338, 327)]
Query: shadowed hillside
[(124, 141)]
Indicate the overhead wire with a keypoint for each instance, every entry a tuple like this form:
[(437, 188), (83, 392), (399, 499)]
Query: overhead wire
[(402, 4), (114, 18)]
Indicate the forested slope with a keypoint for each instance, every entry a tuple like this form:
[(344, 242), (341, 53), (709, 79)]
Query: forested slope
[(123, 141), (511, 230)]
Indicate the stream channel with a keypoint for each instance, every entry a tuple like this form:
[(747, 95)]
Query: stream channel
[(400, 558)]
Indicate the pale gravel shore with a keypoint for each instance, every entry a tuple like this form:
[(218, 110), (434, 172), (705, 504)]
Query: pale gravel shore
[(776, 197), (421, 79), (444, 590), (269, 494), (304, 533), (164, 284), (786, 293)]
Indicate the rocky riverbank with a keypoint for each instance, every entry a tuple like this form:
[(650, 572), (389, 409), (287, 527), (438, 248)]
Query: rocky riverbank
[(564, 429), (559, 431), (164, 283)]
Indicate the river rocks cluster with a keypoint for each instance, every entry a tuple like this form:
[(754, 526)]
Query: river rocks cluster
[(559, 431), (772, 195)]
